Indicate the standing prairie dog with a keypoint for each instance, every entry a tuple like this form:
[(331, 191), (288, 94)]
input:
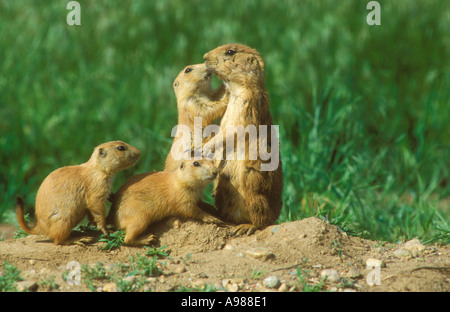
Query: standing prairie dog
[(153, 196), (245, 194), (195, 98), (68, 193)]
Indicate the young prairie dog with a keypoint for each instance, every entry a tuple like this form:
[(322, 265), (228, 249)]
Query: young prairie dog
[(68, 193), (245, 194), (153, 196), (195, 98)]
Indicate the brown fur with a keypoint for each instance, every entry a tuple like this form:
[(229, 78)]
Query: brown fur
[(195, 98), (68, 193), (244, 194), (153, 196)]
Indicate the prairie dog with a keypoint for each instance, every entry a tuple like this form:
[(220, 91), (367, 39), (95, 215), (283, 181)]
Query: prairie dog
[(68, 193), (153, 196), (244, 194), (195, 98)]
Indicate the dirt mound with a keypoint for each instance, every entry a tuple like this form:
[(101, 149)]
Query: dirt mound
[(309, 254)]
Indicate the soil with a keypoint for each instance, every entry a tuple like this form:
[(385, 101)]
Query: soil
[(206, 255)]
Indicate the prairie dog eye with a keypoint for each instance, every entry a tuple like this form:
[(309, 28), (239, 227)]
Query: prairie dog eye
[(196, 164), (230, 52), (121, 148), (187, 70)]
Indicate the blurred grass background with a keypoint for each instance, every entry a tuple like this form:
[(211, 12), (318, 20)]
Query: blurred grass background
[(363, 110)]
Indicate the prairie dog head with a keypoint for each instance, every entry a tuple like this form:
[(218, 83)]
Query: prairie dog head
[(197, 172), (235, 62), (193, 79), (114, 156)]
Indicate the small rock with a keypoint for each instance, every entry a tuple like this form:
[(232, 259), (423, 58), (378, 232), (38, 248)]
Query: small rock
[(27, 286), (283, 288), (202, 275), (414, 246), (271, 282), (401, 253), (233, 287), (180, 269), (353, 273), (110, 287), (332, 275), (198, 284), (231, 283), (152, 279), (229, 247), (259, 253), (259, 287)]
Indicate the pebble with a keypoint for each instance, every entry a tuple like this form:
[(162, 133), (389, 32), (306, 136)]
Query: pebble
[(229, 247), (271, 282), (353, 273), (233, 287), (152, 279), (233, 284), (198, 284), (110, 287), (283, 288), (401, 253), (414, 246), (259, 253), (332, 275), (27, 286), (180, 269)]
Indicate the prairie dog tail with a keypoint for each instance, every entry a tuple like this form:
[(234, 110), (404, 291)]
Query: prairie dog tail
[(20, 218)]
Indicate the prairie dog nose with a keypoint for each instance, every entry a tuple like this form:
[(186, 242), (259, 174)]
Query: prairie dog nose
[(205, 56)]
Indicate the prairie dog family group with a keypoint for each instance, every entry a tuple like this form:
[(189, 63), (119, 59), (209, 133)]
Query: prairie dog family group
[(245, 196)]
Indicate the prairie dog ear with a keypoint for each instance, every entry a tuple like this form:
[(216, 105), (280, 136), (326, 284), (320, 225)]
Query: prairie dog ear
[(260, 61), (182, 165), (101, 152)]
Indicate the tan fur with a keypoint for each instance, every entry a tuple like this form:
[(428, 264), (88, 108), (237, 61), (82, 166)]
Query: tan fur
[(153, 196), (244, 194), (195, 98), (69, 193)]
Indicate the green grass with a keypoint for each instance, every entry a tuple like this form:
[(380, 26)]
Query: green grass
[(363, 110), (113, 240), (8, 277), (136, 271)]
